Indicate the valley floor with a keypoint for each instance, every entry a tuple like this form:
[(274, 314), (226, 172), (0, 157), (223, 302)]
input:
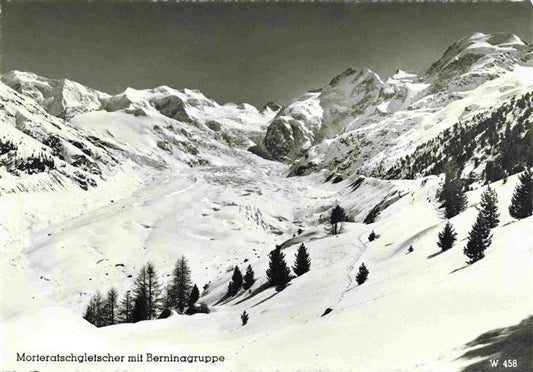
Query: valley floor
[(415, 312)]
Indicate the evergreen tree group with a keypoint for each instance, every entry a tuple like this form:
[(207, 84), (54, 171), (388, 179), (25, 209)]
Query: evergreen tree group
[(102, 311), (522, 200), (447, 237), (302, 263), (278, 274), (479, 239), (145, 300)]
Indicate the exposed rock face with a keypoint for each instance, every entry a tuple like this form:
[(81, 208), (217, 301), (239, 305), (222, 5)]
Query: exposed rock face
[(294, 128), (319, 115), (272, 106)]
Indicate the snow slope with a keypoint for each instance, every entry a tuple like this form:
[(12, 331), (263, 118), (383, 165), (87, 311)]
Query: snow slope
[(207, 216), (171, 176)]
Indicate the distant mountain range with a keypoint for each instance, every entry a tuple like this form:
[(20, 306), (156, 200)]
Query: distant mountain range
[(358, 123)]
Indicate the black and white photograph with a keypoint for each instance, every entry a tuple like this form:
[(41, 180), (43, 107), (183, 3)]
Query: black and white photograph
[(266, 186)]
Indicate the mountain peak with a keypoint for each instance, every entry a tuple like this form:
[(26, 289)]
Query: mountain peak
[(477, 47), (272, 106), (63, 98), (498, 38)]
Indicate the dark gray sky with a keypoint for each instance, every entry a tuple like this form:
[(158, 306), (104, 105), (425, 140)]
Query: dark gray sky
[(238, 52)]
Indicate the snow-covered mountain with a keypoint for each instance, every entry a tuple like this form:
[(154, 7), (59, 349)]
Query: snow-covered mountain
[(59, 97), (58, 130), (362, 123), (93, 186)]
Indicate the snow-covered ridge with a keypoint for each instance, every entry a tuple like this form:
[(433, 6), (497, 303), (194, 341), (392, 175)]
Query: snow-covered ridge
[(358, 117), (77, 132), (66, 99), (59, 97)]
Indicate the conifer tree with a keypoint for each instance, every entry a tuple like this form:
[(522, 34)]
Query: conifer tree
[(99, 306), (140, 308), (231, 289), (244, 317), (95, 311), (479, 239), (181, 285), (303, 261), (453, 197), (522, 201), (362, 275), (249, 279), (111, 306), (372, 236), (236, 282), (153, 292), (140, 290), (489, 207), (278, 273), (168, 295), (126, 308), (447, 237), (338, 215), (194, 296), (90, 312)]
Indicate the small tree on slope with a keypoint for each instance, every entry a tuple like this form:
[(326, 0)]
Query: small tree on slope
[(278, 273), (362, 275), (338, 215), (453, 197), (236, 282), (522, 201), (489, 207), (303, 261), (244, 317), (479, 239), (249, 279), (194, 296), (447, 237)]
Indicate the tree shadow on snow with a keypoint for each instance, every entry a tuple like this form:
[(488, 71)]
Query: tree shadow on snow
[(435, 254), (255, 292), (505, 345), (459, 269), (265, 299), (246, 295)]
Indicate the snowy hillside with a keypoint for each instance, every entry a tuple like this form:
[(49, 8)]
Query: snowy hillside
[(93, 187)]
